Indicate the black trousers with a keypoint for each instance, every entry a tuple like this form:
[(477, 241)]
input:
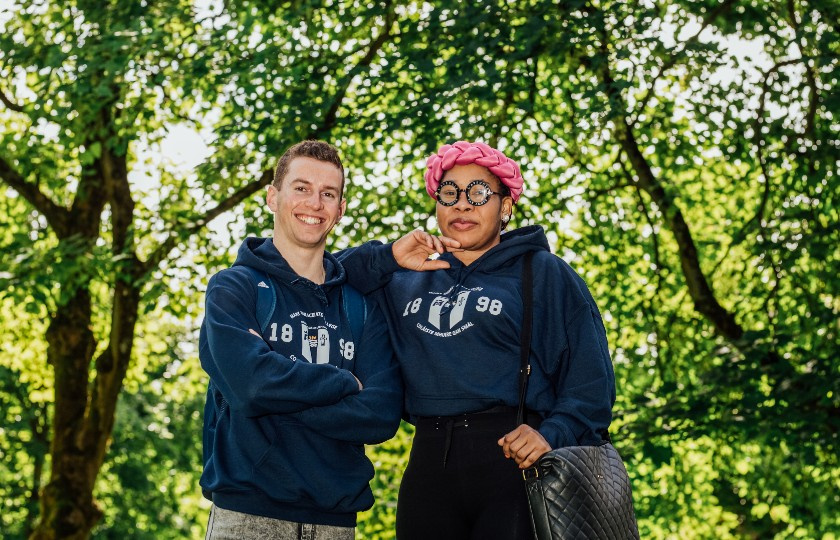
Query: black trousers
[(458, 484)]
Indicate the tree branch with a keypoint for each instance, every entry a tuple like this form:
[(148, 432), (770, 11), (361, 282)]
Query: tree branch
[(701, 292), (501, 118), (674, 56), (57, 216), (813, 102), (756, 139), (9, 103), (331, 117), (657, 260), (162, 251), (111, 367)]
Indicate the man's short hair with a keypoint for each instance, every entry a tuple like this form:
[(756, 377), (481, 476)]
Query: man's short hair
[(320, 150)]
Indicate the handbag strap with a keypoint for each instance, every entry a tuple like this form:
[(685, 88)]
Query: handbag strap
[(525, 336), (525, 342)]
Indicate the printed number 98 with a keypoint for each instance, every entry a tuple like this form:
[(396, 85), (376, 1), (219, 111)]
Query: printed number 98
[(485, 304)]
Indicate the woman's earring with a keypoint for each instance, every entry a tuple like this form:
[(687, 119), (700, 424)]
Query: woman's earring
[(505, 218)]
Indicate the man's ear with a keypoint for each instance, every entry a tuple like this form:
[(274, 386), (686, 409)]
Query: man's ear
[(271, 197), (342, 208)]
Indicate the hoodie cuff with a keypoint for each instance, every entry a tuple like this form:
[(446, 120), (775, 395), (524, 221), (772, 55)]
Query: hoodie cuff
[(557, 435)]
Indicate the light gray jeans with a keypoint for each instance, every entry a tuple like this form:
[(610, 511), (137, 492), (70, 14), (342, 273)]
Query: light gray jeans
[(229, 525)]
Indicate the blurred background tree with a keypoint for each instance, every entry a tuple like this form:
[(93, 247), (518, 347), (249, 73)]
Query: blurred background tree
[(682, 155)]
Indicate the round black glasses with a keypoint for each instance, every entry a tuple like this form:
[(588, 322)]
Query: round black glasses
[(478, 193)]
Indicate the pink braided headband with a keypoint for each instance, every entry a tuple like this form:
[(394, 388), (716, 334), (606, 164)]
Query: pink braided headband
[(464, 153)]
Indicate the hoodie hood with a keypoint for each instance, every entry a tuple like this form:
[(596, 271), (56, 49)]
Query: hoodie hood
[(262, 254)]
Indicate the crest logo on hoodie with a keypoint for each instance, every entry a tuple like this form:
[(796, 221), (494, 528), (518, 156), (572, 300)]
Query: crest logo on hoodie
[(448, 316), (315, 339), (455, 315)]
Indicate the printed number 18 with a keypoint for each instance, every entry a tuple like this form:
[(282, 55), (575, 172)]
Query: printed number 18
[(413, 306)]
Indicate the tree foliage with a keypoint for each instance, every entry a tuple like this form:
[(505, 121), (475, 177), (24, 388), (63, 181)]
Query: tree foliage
[(682, 155)]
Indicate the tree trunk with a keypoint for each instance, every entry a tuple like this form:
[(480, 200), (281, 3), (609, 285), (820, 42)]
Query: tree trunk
[(67, 509), (82, 427), (85, 411)]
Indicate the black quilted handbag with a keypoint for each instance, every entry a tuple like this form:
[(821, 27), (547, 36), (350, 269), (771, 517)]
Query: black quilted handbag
[(575, 492), (581, 492)]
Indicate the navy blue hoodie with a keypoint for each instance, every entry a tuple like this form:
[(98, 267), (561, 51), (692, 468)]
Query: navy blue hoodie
[(285, 423), (456, 335)]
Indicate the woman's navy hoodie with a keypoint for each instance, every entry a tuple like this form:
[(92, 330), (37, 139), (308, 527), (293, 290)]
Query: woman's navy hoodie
[(285, 423), (456, 335)]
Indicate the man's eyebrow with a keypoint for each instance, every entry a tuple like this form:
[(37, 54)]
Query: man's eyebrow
[(307, 183)]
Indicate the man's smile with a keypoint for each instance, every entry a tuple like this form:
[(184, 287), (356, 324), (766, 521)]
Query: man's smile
[(309, 220)]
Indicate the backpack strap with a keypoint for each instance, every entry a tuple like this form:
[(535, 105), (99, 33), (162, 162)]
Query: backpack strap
[(355, 309), (266, 297), (352, 302)]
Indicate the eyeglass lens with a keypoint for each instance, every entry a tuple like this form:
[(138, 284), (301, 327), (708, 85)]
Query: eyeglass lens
[(477, 192)]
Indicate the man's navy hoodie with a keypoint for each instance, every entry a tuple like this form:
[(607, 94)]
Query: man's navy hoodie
[(456, 335), (285, 423)]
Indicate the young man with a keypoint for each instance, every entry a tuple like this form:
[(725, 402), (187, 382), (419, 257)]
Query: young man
[(294, 398)]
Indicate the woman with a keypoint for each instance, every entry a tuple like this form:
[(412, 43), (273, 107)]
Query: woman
[(456, 332)]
